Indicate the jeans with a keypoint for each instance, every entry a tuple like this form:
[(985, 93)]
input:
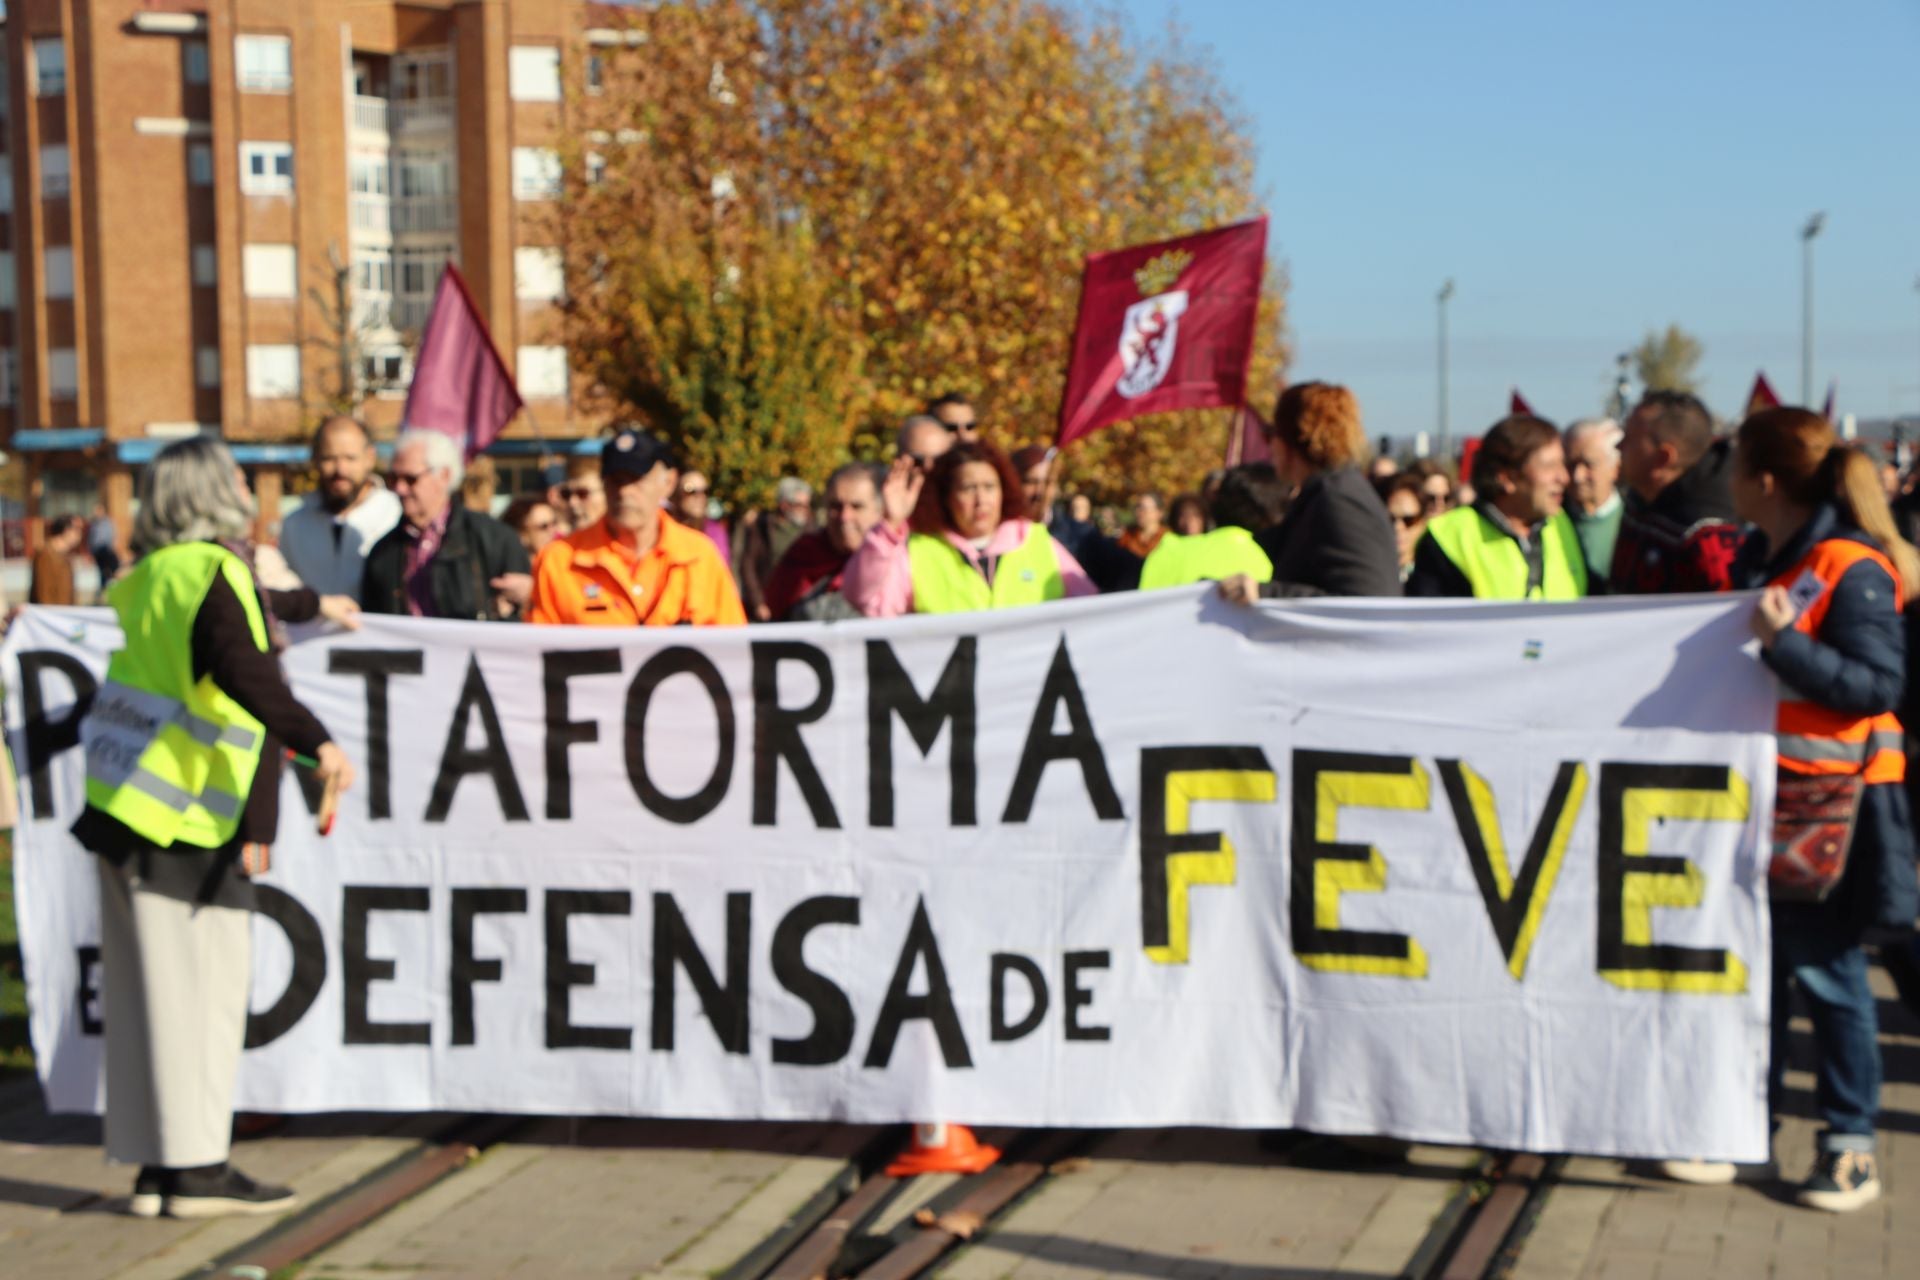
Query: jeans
[(1826, 961)]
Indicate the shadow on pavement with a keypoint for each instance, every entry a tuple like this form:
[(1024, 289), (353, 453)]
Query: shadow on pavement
[(1106, 1259)]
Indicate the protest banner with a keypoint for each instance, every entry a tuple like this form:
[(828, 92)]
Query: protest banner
[(1458, 872)]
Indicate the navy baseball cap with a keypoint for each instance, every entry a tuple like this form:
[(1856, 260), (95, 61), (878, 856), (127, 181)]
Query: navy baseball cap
[(634, 453)]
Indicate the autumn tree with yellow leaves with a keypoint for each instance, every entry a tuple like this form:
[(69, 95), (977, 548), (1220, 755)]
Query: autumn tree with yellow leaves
[(789, 222)]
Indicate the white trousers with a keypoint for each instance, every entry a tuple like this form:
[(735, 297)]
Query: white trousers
[(175, 977)]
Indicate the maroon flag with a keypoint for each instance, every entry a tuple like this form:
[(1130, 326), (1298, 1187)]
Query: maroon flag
[(460, 386), (1469, 450), (1517, 404), (1249, 441), (1761, 397), (1164, 326)]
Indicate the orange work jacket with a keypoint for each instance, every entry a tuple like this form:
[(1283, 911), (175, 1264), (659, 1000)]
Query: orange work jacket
[(587, 579), (1819, 740)]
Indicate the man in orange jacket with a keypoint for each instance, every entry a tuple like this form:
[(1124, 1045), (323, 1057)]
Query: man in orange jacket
[(637, 566)]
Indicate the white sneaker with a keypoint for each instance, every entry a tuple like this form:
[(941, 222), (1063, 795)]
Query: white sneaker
[(1716, 1173)]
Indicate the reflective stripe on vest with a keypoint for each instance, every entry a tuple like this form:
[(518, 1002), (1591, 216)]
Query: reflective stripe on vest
[(1178, 561), (1496, 568), (1810, 738), (171, 756), (944, 581)]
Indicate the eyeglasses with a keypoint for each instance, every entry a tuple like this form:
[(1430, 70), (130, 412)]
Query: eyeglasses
[(579, 492), (539, 526), (1406, 522), (693, 493), (1436, 501), (400, 479), (955, 428)]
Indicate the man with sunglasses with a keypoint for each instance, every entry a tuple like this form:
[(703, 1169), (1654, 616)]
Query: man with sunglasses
[(637, 566), (924, 438), (954, 412), (442, 560)]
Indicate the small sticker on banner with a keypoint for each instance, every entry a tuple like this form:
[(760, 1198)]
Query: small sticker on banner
[(1806, 589)]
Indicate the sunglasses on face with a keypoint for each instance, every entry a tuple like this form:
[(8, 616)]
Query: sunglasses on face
[(579, 493), (1405, 522), (1436, 501), (539, 526), (401, 479), (693, 493)]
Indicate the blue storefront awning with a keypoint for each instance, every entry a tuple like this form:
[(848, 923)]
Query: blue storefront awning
[(47, 439)]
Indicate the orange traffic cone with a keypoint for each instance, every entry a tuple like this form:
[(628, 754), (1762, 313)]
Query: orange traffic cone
[(943, 1148)]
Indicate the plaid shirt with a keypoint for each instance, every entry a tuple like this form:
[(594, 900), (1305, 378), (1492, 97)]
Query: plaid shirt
[(422, 546)]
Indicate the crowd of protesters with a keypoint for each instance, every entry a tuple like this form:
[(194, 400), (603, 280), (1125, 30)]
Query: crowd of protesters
[(966, 518)]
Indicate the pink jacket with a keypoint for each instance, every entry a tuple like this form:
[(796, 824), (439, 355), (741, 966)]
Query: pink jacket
[(879, 579)]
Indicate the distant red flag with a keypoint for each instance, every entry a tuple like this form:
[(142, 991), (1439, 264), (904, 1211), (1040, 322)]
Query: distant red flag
[(1518, 406), (1468, 448), (1249, 442), (460, 386), (1833, 389), (1164, 326), (1761, 397)]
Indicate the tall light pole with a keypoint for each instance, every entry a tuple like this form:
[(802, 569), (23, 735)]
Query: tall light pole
[(1446, 292), (1807, 233)]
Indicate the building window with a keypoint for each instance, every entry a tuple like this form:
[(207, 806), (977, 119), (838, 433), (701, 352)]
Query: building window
[(596, 166), (6, 188), (9, 366), (273, 371), (8, 284), (422, 91), (59, 281), (206, 271), (193, 61), (264, 64), (543, 373), (537, 275), (384, 369), (206, 367), (200, 164), (63, 373), (49, 67), (533, 73), (596, 73), (269, 270), (373, 274), (536, 173), (266, 168), (54, 172)]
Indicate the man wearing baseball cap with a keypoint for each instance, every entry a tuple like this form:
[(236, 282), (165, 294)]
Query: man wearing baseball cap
[(636, 566)]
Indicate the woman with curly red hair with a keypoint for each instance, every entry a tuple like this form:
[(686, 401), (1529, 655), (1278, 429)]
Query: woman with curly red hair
[(1335, 539), (953, 540)]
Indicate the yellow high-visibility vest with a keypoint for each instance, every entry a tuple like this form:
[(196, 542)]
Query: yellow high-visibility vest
[(171, 756)]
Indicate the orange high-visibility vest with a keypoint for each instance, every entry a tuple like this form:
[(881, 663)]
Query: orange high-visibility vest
[(1819, 740)]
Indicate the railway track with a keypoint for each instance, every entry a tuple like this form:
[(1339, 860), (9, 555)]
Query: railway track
[(865, 1224)]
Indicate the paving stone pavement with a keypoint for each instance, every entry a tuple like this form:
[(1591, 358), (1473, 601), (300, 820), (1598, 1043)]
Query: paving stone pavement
[(1605, 1221), (1213, 1205)]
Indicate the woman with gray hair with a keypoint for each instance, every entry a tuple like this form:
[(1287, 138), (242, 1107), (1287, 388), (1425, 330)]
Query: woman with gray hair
[(183, 745)]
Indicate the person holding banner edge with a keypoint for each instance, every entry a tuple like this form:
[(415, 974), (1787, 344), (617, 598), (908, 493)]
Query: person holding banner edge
[(183, 746), (1835, 574)]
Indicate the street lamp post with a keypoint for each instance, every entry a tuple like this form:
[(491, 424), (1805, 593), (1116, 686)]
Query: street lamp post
[(1446, 292), (1807, 233)]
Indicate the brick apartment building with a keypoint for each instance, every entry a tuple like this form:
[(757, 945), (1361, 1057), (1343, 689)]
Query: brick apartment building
[(187, 182)]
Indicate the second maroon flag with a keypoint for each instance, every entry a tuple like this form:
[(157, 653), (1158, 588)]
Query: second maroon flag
[(1164, 326), (460, 386)]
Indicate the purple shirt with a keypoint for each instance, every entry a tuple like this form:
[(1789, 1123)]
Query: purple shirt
[(422, 546)]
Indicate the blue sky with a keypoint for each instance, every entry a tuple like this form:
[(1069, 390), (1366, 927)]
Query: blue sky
[(1585, 173)]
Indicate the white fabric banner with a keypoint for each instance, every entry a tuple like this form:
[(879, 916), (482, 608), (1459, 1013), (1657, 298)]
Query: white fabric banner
[(1454, 872)]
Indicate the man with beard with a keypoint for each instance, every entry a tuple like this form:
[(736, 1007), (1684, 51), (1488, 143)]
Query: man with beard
[(326, 539)]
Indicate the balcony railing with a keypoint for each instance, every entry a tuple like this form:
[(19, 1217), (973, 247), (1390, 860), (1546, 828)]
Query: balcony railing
[(422, 113), (370, 114), (411, 313), (423, 213)]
